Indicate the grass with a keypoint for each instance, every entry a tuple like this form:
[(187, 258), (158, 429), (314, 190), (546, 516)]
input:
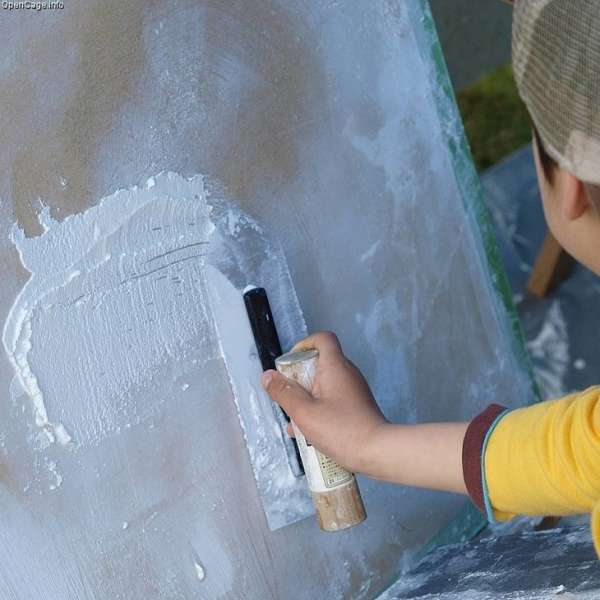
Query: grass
[(496, 120)]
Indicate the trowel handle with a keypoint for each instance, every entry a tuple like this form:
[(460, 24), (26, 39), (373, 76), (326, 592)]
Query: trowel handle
[(334, 490)]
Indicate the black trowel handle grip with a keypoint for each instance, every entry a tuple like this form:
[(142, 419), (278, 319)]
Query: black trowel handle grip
[(263, 327), (269, 348)]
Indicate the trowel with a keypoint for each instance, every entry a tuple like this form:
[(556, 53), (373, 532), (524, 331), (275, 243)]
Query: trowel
[(241, 257), (285, 469)]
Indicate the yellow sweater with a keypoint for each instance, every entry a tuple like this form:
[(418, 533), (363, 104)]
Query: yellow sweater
[(545, 460)]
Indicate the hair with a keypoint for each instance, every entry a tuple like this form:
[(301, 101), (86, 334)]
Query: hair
[(549, 166)]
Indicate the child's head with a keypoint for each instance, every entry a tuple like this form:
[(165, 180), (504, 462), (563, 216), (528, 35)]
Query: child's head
[(556, 58)]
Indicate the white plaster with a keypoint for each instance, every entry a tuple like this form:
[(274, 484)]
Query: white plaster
[(550, 353), (120, 298), (56, 476), (371, 251), (200, 573), (114, 292)]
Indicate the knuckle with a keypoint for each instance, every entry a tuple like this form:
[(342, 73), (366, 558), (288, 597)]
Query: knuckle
[(321, 340), (328, 337), (303, 343)]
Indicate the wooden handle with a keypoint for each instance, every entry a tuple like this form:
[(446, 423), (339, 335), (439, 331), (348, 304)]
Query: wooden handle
[(334, 490)]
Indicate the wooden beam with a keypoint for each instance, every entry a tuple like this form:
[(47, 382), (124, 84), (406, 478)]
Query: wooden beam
[(552, 266)]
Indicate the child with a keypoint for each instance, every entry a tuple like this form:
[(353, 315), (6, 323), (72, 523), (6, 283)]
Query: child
[(541, 459)]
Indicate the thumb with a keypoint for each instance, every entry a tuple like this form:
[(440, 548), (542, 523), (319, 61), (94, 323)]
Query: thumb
[(290, 395)]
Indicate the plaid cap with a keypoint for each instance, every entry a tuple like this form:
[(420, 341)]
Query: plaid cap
[(556, 61)]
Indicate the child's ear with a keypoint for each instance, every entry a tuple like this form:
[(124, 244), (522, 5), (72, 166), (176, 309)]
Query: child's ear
[(574, 198)]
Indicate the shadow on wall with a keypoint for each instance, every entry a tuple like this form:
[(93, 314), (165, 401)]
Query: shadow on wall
[(263, 90), (76, 76), (99, 101)]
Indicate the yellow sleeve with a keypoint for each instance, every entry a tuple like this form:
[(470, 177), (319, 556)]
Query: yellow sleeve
[(545, 458)]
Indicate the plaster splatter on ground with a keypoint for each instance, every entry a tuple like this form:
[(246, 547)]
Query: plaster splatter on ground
[(550, 353)]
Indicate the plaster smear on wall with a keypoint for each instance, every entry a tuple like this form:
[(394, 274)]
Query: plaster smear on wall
[(113, 292), (131, 295)]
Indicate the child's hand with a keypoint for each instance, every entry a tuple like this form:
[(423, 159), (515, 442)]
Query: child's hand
[(342, 420), (341, 417)]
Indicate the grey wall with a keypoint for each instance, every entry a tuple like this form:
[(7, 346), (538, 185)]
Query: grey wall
[(328, 123), (475, 36)]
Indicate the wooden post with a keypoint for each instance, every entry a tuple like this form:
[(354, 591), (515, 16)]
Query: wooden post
[(552, 266), (334, 490)]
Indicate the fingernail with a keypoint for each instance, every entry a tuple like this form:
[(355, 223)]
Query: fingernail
[(267, 376)]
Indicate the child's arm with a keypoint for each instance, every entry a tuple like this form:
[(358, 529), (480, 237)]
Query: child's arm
[(427, 455), (544, 459), (541, 459), (342, 419)]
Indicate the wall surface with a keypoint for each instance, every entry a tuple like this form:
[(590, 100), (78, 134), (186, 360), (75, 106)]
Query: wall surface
[(124, 469)]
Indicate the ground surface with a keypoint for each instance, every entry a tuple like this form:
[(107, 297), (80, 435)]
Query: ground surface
[(560, 564)]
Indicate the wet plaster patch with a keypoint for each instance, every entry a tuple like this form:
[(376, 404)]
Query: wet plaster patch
[(126, 301), (114, 292)]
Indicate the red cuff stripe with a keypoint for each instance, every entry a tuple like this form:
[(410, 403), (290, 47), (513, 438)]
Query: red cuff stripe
[(472, 449)]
